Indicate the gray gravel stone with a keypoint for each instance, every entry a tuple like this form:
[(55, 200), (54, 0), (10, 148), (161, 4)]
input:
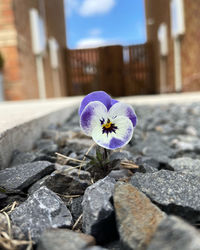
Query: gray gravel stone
[(37, 185), (118, 174), (42, 210), (95, 248), (46, 146), (137, 218), (175, 193), (63, 239), (114, 245), (73, 182), (22, 176), (16, 232), (76, 207), (2, 197), (120, 155), (98, 212), (186, 165), (22, 158), (175, 234), (52, 134), (153, 146)]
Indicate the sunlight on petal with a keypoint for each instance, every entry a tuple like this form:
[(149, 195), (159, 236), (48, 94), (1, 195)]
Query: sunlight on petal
[(91, 116), (123, 109)]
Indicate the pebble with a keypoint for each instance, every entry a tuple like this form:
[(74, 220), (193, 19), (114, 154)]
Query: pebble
[(98, 212), (42, 210), (137, 218), (186, 165), (175, 234), (69, 182), (63, 239)]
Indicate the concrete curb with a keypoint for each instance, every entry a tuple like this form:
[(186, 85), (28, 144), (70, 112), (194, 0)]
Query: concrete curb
[(163, 99), (23, 122)]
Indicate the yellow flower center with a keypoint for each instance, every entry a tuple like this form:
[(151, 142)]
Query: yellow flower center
[(107, 125)]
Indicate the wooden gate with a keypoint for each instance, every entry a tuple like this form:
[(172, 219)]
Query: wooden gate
[(118, 70)]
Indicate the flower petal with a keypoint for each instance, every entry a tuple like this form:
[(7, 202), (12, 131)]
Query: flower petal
[(100, 96), (120, 138), (91, 116), (113, 101), (123, 109)]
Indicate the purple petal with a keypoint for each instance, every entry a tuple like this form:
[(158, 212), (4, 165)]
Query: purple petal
[(100, 96), (123, 109), (131, 115), (113, 101), (91, 115), (115, 143)]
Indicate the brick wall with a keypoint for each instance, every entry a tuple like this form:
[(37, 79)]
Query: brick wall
[(20, 76), (159, 11), (8, 48)]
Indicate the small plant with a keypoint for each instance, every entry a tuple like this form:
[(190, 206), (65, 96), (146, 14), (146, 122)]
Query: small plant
[(100, 160)]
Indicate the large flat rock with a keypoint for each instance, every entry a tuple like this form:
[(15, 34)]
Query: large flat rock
[(174, 192), (22, 176)]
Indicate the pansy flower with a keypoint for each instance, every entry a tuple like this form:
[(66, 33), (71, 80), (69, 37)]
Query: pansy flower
[(109, 122)]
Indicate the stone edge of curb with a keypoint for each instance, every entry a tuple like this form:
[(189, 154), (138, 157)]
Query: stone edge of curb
[(22, 135)]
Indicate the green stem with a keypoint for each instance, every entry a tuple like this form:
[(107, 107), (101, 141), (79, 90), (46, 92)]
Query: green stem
[(105, 153)]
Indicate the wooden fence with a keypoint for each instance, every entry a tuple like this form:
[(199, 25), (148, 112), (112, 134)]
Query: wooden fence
[(118, 70)]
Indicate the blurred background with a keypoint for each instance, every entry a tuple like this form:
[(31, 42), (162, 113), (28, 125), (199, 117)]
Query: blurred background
[(57, 48)]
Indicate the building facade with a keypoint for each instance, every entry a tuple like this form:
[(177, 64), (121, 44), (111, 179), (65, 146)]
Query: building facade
[(173, 29), (28, 74)]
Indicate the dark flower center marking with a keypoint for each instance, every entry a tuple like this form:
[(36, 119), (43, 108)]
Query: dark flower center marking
[(108, 127)]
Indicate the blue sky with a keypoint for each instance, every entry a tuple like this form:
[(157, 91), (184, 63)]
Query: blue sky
[(93, 23)]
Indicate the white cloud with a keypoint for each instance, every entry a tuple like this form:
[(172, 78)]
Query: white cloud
[(90, 43), (71, 6), (93, 7), (95, 32)]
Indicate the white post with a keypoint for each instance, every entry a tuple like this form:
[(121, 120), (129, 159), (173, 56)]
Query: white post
[(40, 77), (56, 83), (177, 64), (163, 74)]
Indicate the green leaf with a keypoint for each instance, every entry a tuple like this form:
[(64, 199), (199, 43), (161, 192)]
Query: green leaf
[(2, 190), (90, 157), (99, 155)]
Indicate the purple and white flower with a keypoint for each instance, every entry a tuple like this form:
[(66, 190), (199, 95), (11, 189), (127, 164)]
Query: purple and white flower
[(109, 122)]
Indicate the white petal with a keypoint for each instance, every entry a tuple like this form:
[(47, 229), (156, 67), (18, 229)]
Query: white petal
[(123, 109), (120, 138), (92, 115)]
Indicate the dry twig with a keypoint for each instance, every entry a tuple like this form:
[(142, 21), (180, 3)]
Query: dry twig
[(129, 165), (77, 221), (69, 158)]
